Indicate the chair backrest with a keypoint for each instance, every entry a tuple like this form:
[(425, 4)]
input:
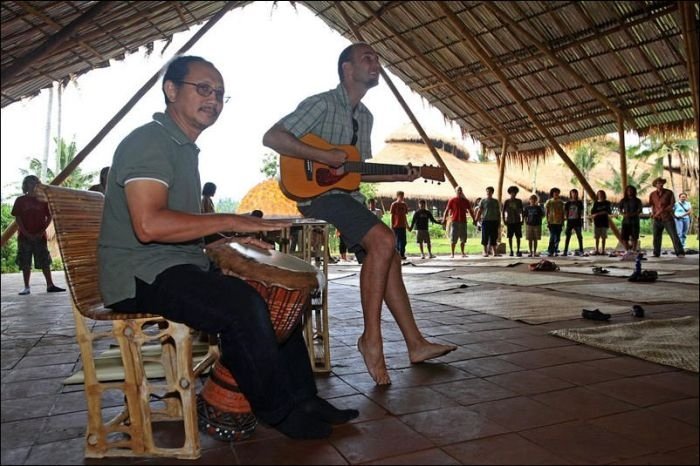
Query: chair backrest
[(77, 216)]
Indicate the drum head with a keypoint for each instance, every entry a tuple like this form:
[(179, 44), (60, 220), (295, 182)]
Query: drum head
[(272, 258)]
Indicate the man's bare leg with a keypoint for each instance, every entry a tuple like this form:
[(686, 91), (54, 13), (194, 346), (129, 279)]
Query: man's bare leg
[(381, 253), (396, 297)]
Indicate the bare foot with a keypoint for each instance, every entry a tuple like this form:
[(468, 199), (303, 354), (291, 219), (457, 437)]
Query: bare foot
[(374, 360), (429, 351)]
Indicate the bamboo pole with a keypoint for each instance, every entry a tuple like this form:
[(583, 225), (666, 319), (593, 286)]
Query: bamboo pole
[(501, 171), (402, 102), (690, 38), (12, 228), (623, 153)]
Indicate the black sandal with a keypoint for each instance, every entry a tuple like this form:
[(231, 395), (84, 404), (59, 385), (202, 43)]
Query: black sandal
[(594, 315)]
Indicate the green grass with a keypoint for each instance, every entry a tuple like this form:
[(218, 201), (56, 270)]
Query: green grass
[(441, 245)]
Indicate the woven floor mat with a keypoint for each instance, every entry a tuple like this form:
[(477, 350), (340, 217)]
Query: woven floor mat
[(532, 308), (526, 278), (408, 269), (638, 292), (612, 271), (417, 285), (692, 280), (109, 363), (650, 265), (672, 342)]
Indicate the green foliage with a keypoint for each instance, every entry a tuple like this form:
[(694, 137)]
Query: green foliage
[(227, 205), (271, 165), (65, 153), (369, 190), (9, 250)]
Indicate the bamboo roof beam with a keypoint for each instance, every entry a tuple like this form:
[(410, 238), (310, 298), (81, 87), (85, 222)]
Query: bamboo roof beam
[(522, 32), (689, 26), (437, 72), (20, 64), (358, 35), (39, 14), (512, 58)]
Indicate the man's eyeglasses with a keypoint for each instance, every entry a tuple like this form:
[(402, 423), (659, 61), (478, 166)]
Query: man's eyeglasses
[(205, 90), (355, 127)]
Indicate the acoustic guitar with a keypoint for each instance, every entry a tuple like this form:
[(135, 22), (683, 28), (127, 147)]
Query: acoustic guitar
[(302, 179)]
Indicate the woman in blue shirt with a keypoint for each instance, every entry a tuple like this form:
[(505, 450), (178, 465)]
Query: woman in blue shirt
[(681, 213)]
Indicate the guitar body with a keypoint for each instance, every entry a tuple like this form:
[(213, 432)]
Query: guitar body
[(302, 179), (294, 173)]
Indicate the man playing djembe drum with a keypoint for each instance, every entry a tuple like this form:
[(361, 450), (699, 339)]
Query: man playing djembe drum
[(338, 117), (151, 256)]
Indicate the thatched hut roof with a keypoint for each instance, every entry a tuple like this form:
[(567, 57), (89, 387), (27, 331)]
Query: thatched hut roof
[(267, 197), (404, 146)]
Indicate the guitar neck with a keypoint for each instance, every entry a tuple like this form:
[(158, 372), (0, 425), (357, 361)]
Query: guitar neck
[(374, 168)]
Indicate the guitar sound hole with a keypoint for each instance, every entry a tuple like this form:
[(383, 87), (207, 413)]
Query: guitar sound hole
[(324, 177)]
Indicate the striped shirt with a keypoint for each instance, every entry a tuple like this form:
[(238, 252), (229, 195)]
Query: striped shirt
[(329, 116)]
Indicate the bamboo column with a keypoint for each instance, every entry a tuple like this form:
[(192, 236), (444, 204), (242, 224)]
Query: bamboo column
[(12, 228), (623, 153)]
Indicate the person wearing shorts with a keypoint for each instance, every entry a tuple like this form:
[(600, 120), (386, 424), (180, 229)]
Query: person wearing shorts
[(340, 118), (420, 220), (533, 214), (600, 212), (456, 211), (630, 207), (33, 217), (490, 216), (513, 219)]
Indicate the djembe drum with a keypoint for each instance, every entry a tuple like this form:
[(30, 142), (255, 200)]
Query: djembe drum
[(286, 283)]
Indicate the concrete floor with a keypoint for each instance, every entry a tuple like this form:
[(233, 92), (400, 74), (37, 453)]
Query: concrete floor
[(511, 393)]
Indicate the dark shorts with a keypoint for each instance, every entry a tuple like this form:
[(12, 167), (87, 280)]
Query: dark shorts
[(422, 236), (489, 232), (515, 229), (630, 230), (348, 215), (34, 247)]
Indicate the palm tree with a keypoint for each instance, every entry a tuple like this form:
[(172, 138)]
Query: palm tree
[(664, 149), (65, 153), (639, 181)]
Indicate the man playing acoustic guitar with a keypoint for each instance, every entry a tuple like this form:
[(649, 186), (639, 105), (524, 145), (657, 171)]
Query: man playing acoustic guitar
[(338, 117)]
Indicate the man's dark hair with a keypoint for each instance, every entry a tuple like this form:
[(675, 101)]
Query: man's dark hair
[(209, 189), (178, 69), (554, 190), (345, 57), (513, 189)]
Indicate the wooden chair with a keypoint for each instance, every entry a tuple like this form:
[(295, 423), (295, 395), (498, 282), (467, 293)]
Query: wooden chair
[(77, 216)]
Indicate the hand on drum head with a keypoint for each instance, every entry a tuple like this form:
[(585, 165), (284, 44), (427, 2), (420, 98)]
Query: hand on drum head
[(250, 224)]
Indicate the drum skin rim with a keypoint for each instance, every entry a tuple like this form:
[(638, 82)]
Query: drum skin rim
[(233, 262)]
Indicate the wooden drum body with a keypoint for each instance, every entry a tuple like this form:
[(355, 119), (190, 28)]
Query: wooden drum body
[(286, 283)]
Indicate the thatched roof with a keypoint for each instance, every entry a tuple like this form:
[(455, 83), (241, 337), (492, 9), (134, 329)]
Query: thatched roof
[(516, 70), (523, 71), (267, 197), (537, 177), (43, 42)]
